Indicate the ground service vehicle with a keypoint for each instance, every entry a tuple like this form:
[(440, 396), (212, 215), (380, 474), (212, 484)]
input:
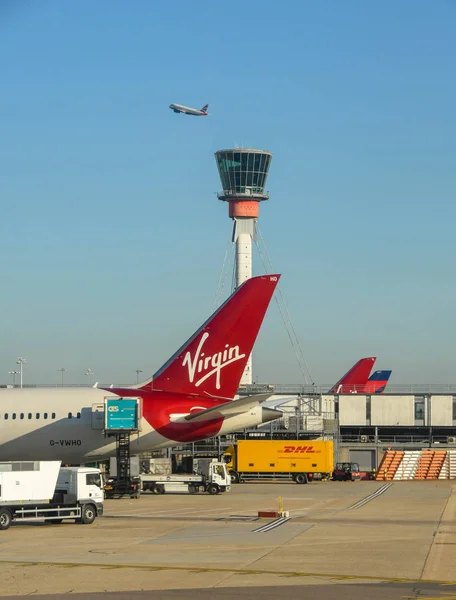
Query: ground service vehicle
[(346, 471), (33, 491), (212, 477), (124, 481), (298, 460), (128, 487)]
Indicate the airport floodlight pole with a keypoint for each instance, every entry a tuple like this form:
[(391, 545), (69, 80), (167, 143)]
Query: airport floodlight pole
[(62, 370), (89, 374), (21, 361), (13, 373), (138, 371), (243, 173)]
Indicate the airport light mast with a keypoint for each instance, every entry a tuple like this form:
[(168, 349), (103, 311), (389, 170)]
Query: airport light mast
[(243, 173), (21, 361)]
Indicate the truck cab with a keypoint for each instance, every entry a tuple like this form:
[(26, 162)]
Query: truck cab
[(346, 471), (215, 475), (219, 475), (82, 484)]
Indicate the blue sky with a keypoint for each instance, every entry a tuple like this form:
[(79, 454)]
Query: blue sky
[(111, 237)]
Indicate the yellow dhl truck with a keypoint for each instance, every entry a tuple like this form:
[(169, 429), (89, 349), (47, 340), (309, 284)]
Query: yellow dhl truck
[(297, 460)]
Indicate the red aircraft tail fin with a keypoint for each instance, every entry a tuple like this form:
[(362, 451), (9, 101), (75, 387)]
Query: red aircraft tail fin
[(212, 361), (355, 379), (205, 107)]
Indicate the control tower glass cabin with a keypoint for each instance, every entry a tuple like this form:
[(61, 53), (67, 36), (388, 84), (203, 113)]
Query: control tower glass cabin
[(243, 173)]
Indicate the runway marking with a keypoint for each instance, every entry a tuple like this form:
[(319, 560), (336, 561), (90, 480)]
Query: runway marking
[(272, 525), (381, 490), (263, 529), (235, 571)]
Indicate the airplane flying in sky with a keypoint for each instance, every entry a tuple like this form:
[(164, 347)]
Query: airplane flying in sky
[(186, 110), (357, 379), (188, 399)]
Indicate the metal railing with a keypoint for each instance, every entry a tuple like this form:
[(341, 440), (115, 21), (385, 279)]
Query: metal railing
[(293, 389), (317, 390), (398, 440)]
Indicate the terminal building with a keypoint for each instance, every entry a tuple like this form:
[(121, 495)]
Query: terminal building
[(363, 427)]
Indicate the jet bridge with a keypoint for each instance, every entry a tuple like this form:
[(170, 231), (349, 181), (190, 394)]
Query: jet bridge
[(122, 418)]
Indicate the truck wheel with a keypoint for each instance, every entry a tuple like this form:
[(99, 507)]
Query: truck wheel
[(234, 477), (192, 489), (158, 489), (213, 489), (301, 478), (6, 519), (89, 514)]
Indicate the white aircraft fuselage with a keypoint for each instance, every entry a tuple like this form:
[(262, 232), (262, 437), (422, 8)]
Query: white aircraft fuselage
[(64, 424)]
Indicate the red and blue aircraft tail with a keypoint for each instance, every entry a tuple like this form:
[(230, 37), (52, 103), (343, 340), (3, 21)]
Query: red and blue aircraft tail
[(376, 383)]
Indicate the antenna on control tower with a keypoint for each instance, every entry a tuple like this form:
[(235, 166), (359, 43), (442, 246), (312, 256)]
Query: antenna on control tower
[(243, 173)]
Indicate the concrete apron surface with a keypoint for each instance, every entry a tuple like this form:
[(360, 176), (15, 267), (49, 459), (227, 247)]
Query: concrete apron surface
[(403, 536)]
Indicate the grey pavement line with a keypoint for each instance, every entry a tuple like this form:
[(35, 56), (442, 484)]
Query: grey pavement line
[(272, 525), (371, 497), (433, 538)]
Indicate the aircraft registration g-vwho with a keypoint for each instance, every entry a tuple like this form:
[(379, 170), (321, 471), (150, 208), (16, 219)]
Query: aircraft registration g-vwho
[(188, 399), (186, 110)]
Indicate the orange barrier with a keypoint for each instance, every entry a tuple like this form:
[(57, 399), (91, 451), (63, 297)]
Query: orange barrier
[(389, 465), (430, 464)]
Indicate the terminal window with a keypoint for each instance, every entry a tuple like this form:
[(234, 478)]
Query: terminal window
[(419, 409)]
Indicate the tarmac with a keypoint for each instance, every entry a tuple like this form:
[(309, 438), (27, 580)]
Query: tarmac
[(343, 540)]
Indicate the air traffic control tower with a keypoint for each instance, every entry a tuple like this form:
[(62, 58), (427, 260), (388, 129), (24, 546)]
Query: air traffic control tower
[(243, 173)]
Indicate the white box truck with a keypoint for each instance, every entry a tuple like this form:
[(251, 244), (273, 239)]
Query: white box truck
[(32, 491)]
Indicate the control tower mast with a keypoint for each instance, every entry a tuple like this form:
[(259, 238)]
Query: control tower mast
[(243, 173)]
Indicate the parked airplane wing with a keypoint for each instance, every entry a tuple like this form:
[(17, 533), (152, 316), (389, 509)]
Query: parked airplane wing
[(229, 409)]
